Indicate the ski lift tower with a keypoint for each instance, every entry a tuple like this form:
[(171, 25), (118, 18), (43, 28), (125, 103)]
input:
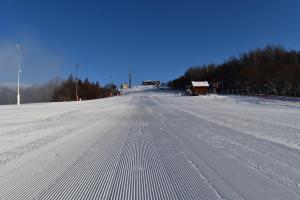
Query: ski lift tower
[(130, 77)]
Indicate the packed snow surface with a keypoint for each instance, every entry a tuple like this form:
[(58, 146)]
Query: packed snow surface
[(151, 144)]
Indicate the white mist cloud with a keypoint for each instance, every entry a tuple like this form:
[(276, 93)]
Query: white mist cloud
[(37, 63)]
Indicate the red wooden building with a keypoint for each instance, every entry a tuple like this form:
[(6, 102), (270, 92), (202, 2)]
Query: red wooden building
[(199, 87)]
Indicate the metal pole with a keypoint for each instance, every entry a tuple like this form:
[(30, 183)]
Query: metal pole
[(18, 94), (111, 85), (222, 88), (76, 81), (130, 77), (19, 47)]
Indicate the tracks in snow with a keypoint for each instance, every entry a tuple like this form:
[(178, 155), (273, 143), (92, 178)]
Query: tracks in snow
[(139, 148), (131, 164)]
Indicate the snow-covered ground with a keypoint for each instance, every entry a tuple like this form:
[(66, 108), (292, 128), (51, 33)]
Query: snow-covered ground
[(151, 144)]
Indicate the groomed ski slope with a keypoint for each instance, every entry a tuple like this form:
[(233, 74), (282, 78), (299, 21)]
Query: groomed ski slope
[(151, 144)]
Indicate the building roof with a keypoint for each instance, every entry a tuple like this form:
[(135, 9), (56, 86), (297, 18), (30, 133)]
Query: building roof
[(200, 84)]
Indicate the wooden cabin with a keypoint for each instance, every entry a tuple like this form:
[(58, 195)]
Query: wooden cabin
[(199, 87)]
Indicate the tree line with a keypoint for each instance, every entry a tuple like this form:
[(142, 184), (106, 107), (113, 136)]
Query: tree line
[(86, 90), (57, 90), (271, 70), (30, 93)]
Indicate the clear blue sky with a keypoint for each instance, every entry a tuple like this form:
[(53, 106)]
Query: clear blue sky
[(159, 39)]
